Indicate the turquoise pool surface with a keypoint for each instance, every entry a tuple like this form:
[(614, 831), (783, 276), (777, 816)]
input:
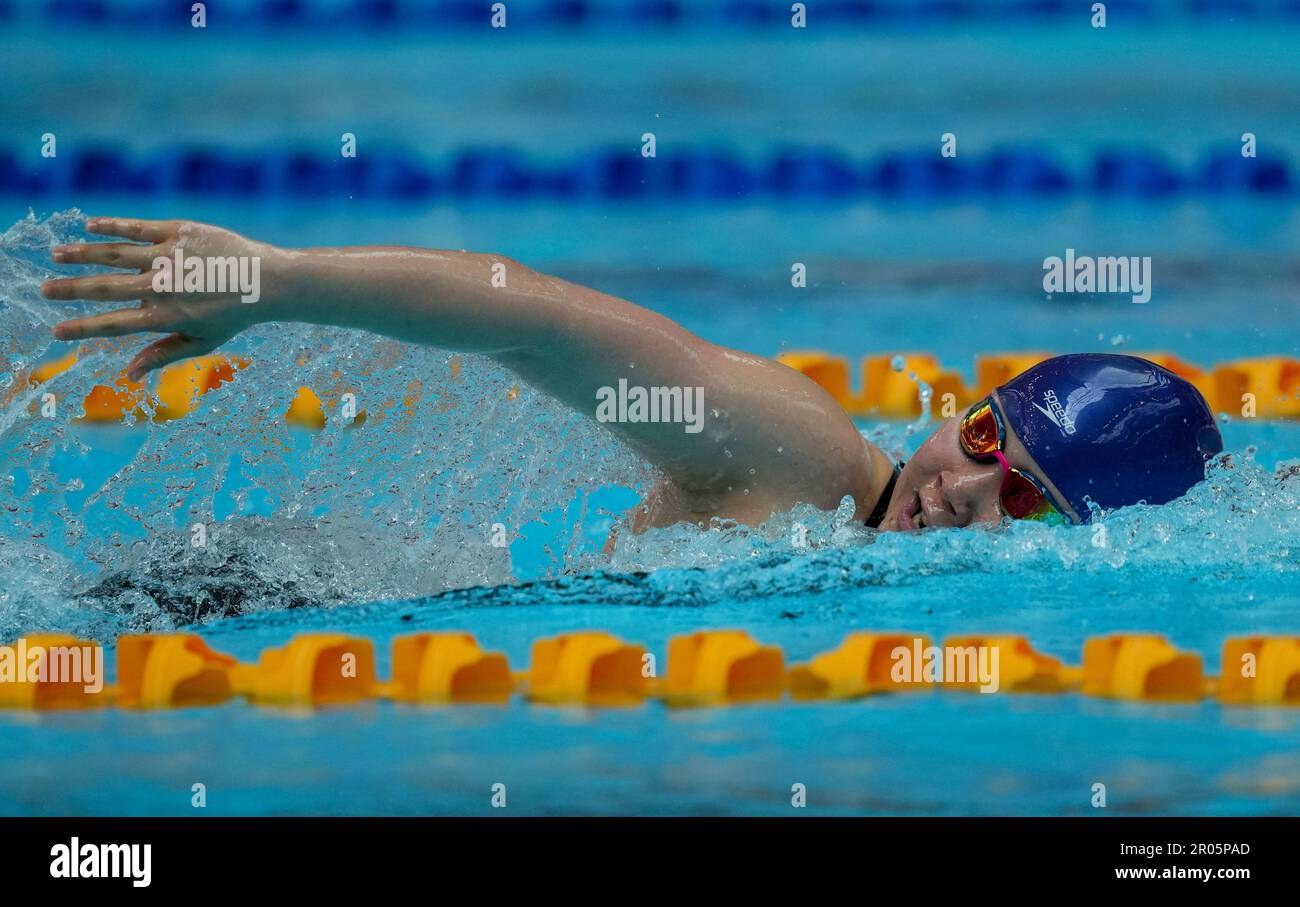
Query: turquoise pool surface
[(914, 754), (383, 531)]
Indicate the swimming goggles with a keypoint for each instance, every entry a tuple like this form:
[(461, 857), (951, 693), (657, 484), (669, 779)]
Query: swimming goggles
[(1021, 497)]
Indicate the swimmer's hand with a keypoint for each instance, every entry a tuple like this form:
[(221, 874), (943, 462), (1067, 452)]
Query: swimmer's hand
[(195, 323)]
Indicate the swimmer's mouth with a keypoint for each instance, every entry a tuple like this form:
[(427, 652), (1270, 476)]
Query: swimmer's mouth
[(911, 517)]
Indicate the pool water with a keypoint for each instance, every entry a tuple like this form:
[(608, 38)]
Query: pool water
[(383, 530)]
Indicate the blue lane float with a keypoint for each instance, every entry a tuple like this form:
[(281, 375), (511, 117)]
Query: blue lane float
[(435, 15), (1232, 173), (814, 173), (921, 173), (1135, 173), (1023, 172), (614, 174)]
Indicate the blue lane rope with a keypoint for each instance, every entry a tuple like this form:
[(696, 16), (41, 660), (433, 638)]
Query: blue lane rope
[(624, 175), (434, 15)]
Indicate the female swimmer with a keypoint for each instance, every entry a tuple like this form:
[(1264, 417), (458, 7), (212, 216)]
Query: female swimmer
[(1069, 435)]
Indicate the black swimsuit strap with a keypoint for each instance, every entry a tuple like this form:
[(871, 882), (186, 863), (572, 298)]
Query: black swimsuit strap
[(882, 503)]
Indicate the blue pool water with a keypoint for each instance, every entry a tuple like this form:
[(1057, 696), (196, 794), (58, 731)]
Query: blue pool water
[(381, 532)]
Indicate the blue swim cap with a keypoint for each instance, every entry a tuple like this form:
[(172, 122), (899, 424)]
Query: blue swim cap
[(1116, 429)]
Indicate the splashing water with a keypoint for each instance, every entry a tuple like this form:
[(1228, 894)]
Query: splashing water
[(390, 510), (97, 536)]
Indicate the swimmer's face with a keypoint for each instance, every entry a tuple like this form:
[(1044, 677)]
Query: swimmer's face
[(941, 486)]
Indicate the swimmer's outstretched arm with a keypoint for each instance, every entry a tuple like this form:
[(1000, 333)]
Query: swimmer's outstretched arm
[(771, 438)]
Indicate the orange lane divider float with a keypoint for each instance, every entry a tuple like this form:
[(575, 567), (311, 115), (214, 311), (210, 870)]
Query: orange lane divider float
[(586, 668), (1261, 670), (448, 667), (1273, 380), (171, 670), (719, 667), (863, 664), (48, 671), (887, 390), (306, 410), (178, 388), (47, 370), (1019, 668), (1267, 387), (593, 668), (313, 669), (1141, 666)]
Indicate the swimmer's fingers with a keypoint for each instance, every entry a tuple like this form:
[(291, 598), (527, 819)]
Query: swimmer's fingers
[(101, 287), (113, 254), (154, 231), (169, 349), (113, 324)]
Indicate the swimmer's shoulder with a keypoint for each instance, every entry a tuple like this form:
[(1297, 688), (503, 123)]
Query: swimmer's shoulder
[(864, 473)]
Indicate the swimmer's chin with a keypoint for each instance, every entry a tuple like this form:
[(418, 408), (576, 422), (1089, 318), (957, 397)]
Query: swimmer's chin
[(891, 523)]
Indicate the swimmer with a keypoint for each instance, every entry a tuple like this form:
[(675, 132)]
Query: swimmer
[(1099, 429)]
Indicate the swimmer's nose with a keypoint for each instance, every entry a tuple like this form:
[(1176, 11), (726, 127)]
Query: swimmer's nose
[(971, 495)]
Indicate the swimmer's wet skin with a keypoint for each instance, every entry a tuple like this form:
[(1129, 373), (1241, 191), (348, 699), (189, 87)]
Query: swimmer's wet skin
[(1074, 431)]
